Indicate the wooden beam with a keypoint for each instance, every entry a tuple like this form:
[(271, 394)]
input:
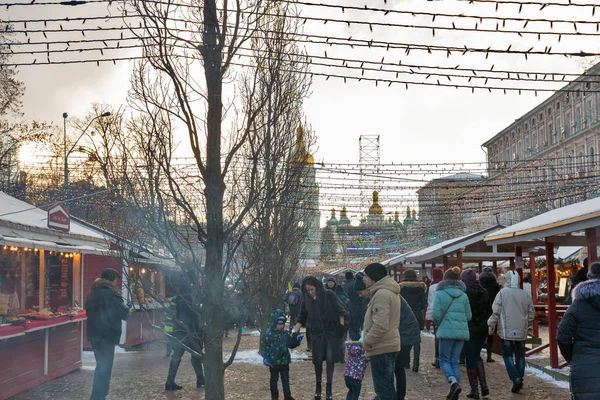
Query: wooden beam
[(480, 267), (536, 332), (495, 267), (552, 323), (459, 261), (446, 266), (519, 256), (592, 245)]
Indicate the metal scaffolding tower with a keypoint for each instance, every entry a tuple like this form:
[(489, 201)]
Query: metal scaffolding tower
[(369, 169)]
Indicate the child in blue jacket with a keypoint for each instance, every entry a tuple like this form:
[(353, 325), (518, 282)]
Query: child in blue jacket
[(274, 348)]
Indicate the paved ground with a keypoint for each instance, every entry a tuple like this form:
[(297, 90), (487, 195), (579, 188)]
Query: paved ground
[(140, 376)]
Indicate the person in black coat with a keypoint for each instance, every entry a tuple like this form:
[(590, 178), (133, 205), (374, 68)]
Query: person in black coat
[(105, 310), (578, 337), (478, 331), (415, 293), (326, 314), (410, 335), (357, 316), (488, 281), (188, 336)]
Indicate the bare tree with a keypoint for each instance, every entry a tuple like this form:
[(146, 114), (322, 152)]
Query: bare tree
[(198, 208)]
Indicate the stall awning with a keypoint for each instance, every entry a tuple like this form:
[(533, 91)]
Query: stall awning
[(452, 246), (53, 246), (560, 221)]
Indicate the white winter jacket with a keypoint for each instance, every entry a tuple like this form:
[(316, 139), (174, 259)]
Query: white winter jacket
[(512, 311), (430, 299)]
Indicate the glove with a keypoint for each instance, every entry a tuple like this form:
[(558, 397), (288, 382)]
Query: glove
[(266, 362), (299, 339)]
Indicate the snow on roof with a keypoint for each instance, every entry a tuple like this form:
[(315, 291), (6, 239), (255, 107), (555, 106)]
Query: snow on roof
[(553, 222), (463, 176), (19, 212), (449, 246)]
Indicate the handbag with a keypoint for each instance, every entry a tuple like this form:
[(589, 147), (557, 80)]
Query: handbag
[(446, 311)]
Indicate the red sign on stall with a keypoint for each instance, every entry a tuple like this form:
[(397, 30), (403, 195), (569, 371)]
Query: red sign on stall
[(59, 218)]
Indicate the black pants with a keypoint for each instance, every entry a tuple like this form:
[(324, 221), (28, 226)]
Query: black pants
[(402, 359), (294, 311), (178, 351), (104, 353), (354, 386), (284, 372)]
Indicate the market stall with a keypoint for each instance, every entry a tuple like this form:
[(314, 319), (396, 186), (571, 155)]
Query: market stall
[(41, 319)]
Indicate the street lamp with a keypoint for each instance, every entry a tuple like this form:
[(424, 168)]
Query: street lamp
[(67, 153)]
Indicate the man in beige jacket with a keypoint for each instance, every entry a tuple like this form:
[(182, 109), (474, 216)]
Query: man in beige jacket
[(382, 337)]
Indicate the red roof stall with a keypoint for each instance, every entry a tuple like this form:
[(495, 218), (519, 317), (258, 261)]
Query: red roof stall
[(41, 282)]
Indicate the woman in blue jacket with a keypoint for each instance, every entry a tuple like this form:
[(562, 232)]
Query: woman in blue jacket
[(451, 314)]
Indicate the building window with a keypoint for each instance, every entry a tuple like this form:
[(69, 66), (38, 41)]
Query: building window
[(544, 175), (551, 133), (568, 124), (580, 161), (591, 157), (570, 165), (589, 112), (542, 137), (558, 132), (578, 120), (527, 148)]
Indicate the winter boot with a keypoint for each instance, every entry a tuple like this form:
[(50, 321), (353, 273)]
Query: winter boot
[(485, 391), (274, 394), (328, 391), (472, 374), (436, 363), (454, 391), (318, 391), (287, 396), (199, 382), (172, 386), (415, 365)]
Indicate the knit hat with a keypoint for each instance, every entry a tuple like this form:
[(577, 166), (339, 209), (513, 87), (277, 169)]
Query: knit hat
[(359, 284), (468, 276), (437, 275), (376, 271), (349, 275), (410, 274), (452, 273), (281, 320), (110, 274), (332, 279), (594, 270)]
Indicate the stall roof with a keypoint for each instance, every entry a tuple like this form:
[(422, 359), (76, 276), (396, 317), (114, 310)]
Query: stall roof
[(451, 246), (565, 220), (399, 259), (22, 224)]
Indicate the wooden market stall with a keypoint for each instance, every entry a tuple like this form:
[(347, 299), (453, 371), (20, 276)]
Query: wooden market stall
[(573, 225), (41, 293)]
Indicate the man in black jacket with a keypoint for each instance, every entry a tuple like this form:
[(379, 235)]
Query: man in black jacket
[(105, 311), (357, 317)]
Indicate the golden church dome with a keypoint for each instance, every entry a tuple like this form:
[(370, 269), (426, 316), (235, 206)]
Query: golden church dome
[(375, 208)]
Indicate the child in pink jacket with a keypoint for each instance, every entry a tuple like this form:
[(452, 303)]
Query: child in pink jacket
[(355, 369)]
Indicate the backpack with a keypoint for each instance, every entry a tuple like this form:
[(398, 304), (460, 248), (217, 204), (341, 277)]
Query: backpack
[(293, 299)]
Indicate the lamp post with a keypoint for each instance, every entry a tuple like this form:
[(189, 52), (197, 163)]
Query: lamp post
[(68, 152)]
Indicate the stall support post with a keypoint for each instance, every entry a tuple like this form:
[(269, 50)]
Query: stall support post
[(519, 267), (423, 273), (459, 261), (536, 332), (395, 273), (590, 235), (445, 262), (480, 267), (42, 275), (495, 267), (401, 271), (551, 279)]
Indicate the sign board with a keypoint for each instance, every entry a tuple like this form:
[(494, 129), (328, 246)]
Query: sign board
[(519, 262), (59, 218)]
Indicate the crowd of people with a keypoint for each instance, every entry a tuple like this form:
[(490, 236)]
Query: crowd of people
[(373, 320)]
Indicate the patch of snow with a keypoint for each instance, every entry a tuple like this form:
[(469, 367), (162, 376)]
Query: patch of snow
[(547, 378), (88, 368), (252, 357), (254, 333), (427, 334)]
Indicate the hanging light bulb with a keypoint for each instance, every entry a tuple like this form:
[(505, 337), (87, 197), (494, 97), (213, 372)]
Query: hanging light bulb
[(143, 271)]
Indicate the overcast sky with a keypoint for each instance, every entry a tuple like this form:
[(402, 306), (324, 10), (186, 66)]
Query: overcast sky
[(419, 125)]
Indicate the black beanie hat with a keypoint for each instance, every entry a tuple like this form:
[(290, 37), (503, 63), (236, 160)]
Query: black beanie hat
[(410, 274), (359, 284), (110, 274), (349, 275), (376, 271)]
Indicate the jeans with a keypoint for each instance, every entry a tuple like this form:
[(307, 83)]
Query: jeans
[(284, 372), (354, 332), (516, 348), (449, 354), (178, 351), (169, 347), (402, 359), (473, 350), (354, 386), (104, 353), (382, 369)]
